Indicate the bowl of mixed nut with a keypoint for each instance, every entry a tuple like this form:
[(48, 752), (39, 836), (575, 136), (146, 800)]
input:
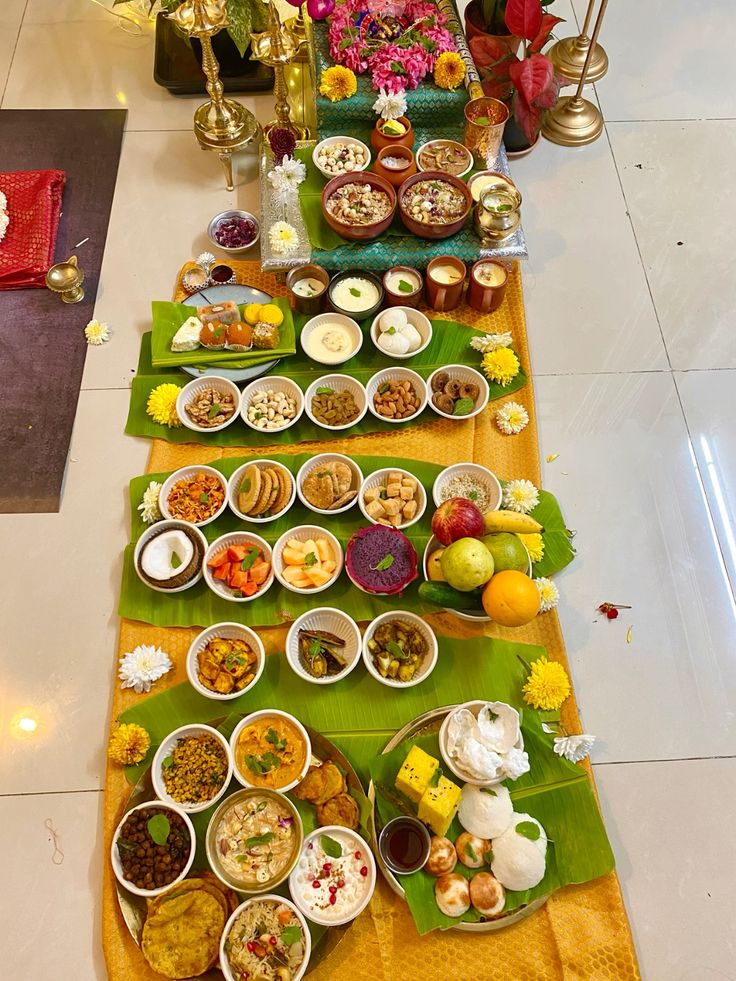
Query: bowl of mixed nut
[(358, 206), (192, 768), (341, 155), (396, 394), (335, 402), (433, 204), (272, 404), (208, 404)]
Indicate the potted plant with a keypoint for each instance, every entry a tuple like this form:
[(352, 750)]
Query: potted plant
[(486, 18), (525, 81)]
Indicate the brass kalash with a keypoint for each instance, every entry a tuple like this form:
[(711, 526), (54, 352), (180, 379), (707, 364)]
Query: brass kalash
[(220, 125)]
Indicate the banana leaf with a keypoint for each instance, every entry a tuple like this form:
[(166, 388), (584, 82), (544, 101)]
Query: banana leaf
[(558, 548)]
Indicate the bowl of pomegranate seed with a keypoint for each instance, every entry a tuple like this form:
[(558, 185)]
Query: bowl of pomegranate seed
[(234, 231)]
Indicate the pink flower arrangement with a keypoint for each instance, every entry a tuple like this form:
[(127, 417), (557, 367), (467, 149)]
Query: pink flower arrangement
[(397, 42)]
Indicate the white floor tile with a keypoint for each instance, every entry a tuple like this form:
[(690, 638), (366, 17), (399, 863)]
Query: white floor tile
[(12, 16), (686, 234), (51, 911), (62, 626), (627, 483), (668, 823)]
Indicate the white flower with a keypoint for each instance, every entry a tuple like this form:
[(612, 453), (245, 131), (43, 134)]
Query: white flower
[(390, 105), (549, 594), (141, 667), (286, 178), (283, 237), (96, 333), (511, 418), (149, 505), (205, 260), (489, 342), (574, 748), (4, 217), (521, 496)]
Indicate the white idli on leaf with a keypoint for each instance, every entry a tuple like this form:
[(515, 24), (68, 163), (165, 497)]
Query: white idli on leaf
[(519, 861), (485, 811)]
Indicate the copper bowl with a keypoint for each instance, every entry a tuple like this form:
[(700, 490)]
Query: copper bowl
[(359, 233), (395, 177), (435, 231)]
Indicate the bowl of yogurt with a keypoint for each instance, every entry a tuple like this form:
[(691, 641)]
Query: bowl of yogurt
[(331, 338), (356, 293), (335, 876)]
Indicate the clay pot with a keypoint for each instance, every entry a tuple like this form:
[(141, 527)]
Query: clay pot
[(392, 175), (379, 140)]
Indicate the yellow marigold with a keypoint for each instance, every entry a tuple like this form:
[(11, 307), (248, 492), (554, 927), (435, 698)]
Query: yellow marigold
[(501, 365), (534, 546), (449, 70), (161, 405), (128, 744), (547, 686), (338, 83)]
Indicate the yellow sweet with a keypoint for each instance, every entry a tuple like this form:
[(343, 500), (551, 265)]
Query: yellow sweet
[(270, 314), (438, 805), (253, 313), (415, 774)]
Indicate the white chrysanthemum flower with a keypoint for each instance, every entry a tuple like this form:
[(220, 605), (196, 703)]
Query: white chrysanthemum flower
[(96, 333), (148, 507), (490, 342), (511, 418), (549, 594), (521, 496), (286, 178), (283, 237), (141, 667), (390, 105), (4, 217), (574, 748)]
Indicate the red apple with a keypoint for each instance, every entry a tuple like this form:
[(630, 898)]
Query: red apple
[(457, 518)]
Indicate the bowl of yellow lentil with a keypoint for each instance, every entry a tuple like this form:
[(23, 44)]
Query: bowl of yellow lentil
[(192, 768)]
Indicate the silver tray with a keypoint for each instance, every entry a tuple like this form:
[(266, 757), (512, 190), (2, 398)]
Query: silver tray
[(424, 725)]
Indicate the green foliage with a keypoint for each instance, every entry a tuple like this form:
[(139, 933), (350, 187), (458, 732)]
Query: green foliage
[(492, 15), (245, 16)]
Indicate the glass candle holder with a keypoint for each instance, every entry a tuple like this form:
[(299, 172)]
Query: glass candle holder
[(485, 119)]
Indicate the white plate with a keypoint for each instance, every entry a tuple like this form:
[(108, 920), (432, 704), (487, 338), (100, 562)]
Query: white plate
[(416, 319), (303, 533), (334, 621), (427, 666), (275, 383), (190, 472), (192, 389), (377, 478), (230, 631), (320, 460), (166, 748), (233, 486), (225, 541), (463, 374), (396, 374)]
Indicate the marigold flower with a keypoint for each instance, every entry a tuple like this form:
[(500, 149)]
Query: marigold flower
[(547, 686), (534, 545), (501, 365), (338, 83), (128, 744), (161, 405), (449, 70)]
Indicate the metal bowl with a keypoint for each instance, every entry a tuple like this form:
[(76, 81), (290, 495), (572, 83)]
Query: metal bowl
[(234, 213)]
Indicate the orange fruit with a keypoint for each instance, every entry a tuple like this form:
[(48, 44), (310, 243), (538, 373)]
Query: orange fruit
[(511, 598)]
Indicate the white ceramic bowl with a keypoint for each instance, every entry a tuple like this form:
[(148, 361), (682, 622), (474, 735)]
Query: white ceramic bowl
[(481, 474), (340, 383), (274, 383), (225, 541), (233, 486), (115, 858), (470, 616), (320, 460), (474, 707), (427, 666), (156, 529), (416, 319), (348, 141), (396, 374), (165, 750), (336, 622), (356, 335), (303, 533), (254, 900), (379, 477), (188, 473), (336, 832), (192, 389), (463, 374), (241, 778), (441, 139), (230, 631)]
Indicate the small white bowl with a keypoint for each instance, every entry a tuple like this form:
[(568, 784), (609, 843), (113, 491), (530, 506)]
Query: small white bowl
[(303, 533), (396, 374), (474, 707), (318, 461), (233, 486), (348, 141), (225, 541), (470, 616), (379, 477), (156, 529), (416, 319), (463, 374), (230, 631), (481, 474), (430, 659), (339, 383), (356, 335), (336, 622), (115, 858), (441, 139), (241, 778), (224, 963), (165, 750), (274, 383), (336, 832), (182, 474), (192, 389)]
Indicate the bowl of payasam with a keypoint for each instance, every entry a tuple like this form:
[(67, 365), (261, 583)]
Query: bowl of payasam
[(355, 293), (403, 286), (359, 206), (447, 156)]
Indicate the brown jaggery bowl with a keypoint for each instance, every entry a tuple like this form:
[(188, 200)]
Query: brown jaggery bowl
[(434, 231), (359, 233)]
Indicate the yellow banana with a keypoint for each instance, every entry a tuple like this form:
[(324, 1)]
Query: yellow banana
[(519, 524)]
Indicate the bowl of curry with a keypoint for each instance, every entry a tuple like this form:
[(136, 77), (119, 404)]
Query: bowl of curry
[(271, 750)]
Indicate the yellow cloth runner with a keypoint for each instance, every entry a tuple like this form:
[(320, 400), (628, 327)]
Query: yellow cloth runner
[(582, 932)]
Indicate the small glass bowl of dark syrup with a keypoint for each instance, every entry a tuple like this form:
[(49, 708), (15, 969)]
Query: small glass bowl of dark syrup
[(404, 845)]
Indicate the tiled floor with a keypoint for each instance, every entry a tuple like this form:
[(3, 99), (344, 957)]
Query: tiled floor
[(634, 351)]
